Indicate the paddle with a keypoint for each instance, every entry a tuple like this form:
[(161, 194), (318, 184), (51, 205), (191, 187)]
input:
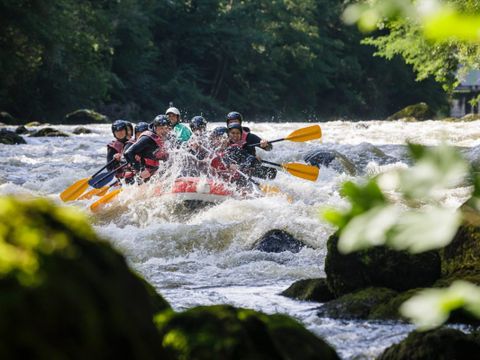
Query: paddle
[(304, 134), (97, 192), (104, 199), (77, 189), (104, 180), (303, 171)]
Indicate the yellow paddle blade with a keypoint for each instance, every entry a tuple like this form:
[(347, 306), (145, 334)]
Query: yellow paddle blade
[(74, 190), (97, 205), (94, 192), (274, 190), (304, 134), (303, 171)]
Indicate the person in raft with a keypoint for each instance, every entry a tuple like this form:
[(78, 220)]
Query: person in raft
[(145, 155), (182, 132), (116, 147)]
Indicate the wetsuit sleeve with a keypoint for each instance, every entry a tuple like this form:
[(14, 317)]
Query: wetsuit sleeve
[(255, 139), (142, 145)]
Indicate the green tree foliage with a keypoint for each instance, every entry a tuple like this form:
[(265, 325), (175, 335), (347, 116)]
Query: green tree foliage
[(288, 59)]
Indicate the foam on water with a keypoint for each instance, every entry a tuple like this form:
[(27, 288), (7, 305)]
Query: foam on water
[(204, 256)]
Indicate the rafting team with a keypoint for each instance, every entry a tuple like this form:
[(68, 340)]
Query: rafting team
[(226, 152)]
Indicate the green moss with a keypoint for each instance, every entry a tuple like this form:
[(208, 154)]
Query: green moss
[(420, 111), (65, 294), (224, 332), (85, 116), (309, 290)]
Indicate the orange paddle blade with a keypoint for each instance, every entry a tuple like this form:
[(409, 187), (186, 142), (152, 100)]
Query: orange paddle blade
[(303, 171), (304, 134), (75, 190), (97, 205)]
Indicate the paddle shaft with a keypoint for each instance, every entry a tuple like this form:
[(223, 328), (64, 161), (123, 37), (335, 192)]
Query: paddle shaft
[(109, 173), (271, 163), (270, 142), (104, 167)]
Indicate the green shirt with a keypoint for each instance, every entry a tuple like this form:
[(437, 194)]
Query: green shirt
[(182, 132)]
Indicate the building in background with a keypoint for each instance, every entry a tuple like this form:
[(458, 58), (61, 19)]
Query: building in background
[(463, 99)]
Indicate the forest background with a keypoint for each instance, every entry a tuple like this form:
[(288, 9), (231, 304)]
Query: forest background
[(291, 60)]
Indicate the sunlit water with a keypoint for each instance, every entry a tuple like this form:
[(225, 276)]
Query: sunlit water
[(204, 257)]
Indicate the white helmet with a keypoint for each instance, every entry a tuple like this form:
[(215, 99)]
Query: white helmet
[(172, 110)]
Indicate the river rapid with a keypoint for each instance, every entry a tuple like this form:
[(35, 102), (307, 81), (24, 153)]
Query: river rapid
[(204, 257)]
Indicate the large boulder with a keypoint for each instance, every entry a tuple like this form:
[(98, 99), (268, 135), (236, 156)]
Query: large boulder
[(309, 290), (278, 241), (420, 111), (356, 305), (85, 116), (81, 130), (332, 159), (66, 294), (10, 138), (378, 267), (224, 332), (440, 344)]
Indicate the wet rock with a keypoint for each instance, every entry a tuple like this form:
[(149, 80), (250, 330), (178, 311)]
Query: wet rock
[(33, 124), (81, 130), (278, 241), (85, 116), (440, 344), (66, 294), (21, 130), (332, 159), (49, 132), (8, 119), (379, 267), (356, 305), (420, 111), (224, 332), (471, 117), (10, 138), (309, 290), (462, 255)]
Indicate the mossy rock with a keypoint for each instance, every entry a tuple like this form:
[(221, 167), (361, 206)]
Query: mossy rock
[(8, 119), (389, 310), (65, 294), (224, 332), (471, 117), (10, 138), (420, 111), (309, 290), (379, 267), (440, 344), (276, 241), (34, 124), (48, 132), (81, 130), (462, 255), (85, 116), (356, 305)]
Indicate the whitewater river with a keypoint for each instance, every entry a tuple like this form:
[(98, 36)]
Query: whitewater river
[(205, 257)]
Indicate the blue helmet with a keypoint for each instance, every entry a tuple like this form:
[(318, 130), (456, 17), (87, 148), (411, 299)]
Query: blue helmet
[(141, 127), (233, 115), (118, 125), (198, 122), (161, 120), (219, 131), (234, 126)]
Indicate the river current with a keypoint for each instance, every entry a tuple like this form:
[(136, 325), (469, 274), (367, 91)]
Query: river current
[(205, 257)]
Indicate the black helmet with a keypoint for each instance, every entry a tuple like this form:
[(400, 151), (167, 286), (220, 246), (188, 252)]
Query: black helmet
[(141, 127), (198, 122), (233, 115), (234, 126), (161, 120), (219, 131), (118, 125), (129, 126)]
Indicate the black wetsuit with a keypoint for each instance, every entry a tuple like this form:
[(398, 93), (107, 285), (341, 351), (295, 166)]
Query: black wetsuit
[(145, 147)]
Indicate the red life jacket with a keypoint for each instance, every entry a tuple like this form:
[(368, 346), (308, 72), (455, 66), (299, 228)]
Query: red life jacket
[(159, 154), (117, 145)]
